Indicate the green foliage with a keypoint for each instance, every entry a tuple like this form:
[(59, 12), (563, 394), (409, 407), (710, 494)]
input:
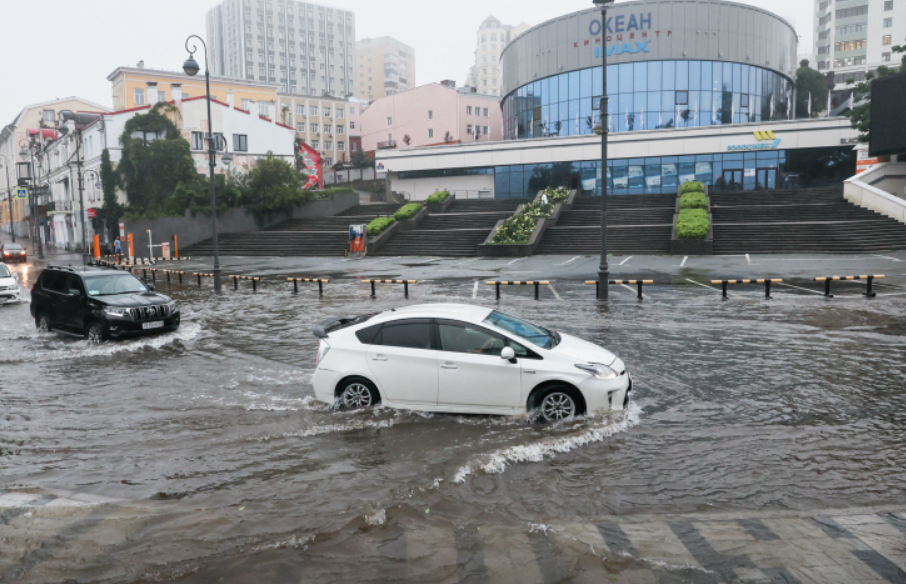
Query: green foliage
[(379, 224), (516, 229), (112, 210), (329, 193), (693, 186), (361, 160), (860, 116), (273, 186), (692, 224), (437, 198), (809, 81), (693, 200), (407, 211), (557, 195)]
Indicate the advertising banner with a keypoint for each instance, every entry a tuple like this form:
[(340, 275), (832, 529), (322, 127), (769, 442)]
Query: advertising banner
[(311, 161)]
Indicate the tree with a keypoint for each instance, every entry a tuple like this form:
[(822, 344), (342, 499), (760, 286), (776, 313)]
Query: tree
[(361, 161), (112, 210), (273, 186), (860, 115), (809, 83), (407, 139)]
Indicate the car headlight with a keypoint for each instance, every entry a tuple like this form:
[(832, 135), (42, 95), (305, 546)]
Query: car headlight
[(172, 306), (599, 370), (117, 312)]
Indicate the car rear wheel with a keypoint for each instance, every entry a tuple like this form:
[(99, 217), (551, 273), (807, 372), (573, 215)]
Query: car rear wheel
[(557, 403), (96, 333), (42, 323), (357, 393)]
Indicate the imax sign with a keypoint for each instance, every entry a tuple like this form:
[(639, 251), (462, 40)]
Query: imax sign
[(767, 141)]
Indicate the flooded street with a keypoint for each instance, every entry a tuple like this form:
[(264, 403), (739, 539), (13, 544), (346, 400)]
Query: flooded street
[(201, 455)]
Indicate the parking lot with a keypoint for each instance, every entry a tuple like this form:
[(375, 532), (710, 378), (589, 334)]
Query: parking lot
[(763, 442)]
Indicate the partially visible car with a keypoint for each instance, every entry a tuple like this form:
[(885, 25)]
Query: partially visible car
[(100, 303), (465, 359), (9, 285), (12, 252)]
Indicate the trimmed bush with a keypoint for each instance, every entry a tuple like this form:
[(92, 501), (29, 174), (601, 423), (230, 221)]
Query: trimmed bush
[(437, 198), (693, 186), (693, 200), (554, 195), (379, 224), (516, 229), (407, 211), (692, 224), (329, 193)]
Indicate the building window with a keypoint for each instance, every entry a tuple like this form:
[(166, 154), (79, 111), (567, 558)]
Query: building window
[(247, 105), (326, 112), (49, 116), (197, 141), (352, 125), (430, 114), (430, 132), (341, 146), (313, 110), (389, 121), (327, 129), (486, 132), (682, 98), (328, 145), (139, 96), (468, 110), (314, 128), (341, 129), (744, 100), (300, 127), (851, 45), (888, 4), (340, 112), (316, 144), (240, 143), (888, 22), (300, 110), (486, 112), (469, 129), (886, 39)]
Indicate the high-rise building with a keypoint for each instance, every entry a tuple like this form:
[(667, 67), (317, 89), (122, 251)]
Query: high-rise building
[(490, 40), (385, 67), (306, 48), (853, 38)]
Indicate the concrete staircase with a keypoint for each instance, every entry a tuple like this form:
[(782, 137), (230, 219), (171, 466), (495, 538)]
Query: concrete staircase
[(637, 224), (328, 236), (457, 232), (803, 221)]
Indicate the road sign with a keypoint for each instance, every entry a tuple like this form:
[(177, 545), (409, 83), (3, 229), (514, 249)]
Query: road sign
[(22, 193), (91, 213)]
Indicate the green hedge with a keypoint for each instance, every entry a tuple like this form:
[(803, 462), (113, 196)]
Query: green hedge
[(329, 193), (437, 198), (693, 186), (407, 211), (693, 200), (692, 224), (554, 195), (379, 225), (516, 229)]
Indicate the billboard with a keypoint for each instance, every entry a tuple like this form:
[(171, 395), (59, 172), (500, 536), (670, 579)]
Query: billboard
[(888, 115), (311, 161)]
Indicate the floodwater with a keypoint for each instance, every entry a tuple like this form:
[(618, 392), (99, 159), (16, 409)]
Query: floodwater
[(203, 456)]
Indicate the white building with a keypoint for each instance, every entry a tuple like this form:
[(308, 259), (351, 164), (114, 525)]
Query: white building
[(491, 38), (851, 39), (307, 48)]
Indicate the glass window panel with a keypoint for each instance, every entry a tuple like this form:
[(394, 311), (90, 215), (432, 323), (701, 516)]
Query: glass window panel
[(501, 182), (563, 87), (626, 78), (727, 82), (585, 110), (695, 75), (716, 76), (545, 91), (574, 112), (737, 77), (613, 80), (640, 76), (554, 89), (654, 101), (585, 89), (668, 99), (640, 101), (654, 76), (669, 69), (597, 80), (706, 75), (573, 86), (682, 74), (564, 110), (625, 102)]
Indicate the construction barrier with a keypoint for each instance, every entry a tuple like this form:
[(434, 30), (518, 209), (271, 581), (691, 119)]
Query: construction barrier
[(405, 284), (868, 291), (319, 281), (766, 281), (536, 283), (177, 272), (199, 275), (253, 279), (637, 283)]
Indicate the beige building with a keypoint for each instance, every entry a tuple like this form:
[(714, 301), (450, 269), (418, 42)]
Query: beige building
[(330, 125), (134, 87), (385, 67), (32, 117), (490, 40)]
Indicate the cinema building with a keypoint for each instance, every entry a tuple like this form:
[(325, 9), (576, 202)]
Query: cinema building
[(697, 90)]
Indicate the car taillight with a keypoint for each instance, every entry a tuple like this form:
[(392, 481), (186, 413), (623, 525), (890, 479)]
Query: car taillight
[(322, 351)]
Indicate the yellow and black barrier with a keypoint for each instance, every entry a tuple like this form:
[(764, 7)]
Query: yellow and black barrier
[(637, 283), (405, 284), (169, 273), (868, 290), (766, 281), (253, 279), (199, 275), (319, 281), (536, 283)]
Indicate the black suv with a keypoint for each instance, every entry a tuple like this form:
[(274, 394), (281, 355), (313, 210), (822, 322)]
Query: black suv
[(100, 303)]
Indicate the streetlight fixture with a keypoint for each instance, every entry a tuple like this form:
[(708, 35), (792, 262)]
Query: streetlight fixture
[(601, 129), (191, 68), (9, 198)]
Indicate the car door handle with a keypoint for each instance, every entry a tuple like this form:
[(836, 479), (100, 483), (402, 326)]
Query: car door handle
[(449, 366), (379, 358)]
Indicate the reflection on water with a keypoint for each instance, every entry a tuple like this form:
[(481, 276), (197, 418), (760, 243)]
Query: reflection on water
[(211, 442)]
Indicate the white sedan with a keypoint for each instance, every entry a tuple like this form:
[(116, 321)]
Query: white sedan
[(9, 285), (464, 359)]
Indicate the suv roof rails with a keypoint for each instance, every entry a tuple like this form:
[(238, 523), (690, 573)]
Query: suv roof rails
[(69, 268)]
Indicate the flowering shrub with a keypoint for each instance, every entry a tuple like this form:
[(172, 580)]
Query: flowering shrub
[(554, 195), (437, 198), (692, 224)]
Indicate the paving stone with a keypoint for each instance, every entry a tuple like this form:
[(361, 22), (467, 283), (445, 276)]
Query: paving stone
[(656, 541), (752, 576)]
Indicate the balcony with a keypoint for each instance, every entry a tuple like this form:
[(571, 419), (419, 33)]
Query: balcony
[(386, 145)]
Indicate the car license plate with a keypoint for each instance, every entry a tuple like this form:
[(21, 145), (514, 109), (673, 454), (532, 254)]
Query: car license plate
[(153, 325)]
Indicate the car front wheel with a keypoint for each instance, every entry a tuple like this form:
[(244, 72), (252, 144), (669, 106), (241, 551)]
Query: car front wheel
[(96, 333), (42, 323), (357, 393), (556, 404)]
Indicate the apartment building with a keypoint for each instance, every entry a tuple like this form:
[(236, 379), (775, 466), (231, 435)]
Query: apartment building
[(491, 38), (385, 66), (329, 125), (853, 37), (304, 48)]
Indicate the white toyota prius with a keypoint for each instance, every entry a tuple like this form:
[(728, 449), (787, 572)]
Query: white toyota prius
[(459, 358)]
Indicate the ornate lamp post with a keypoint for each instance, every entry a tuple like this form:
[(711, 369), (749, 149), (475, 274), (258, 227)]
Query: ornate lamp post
[(601, 128), (9, 198), (191, 69)]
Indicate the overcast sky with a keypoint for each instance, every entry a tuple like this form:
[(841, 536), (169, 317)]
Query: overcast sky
[(58, 48)]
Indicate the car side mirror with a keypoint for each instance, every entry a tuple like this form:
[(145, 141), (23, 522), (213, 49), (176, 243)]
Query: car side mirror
[(75, 293), (150, 287), (507, 353)]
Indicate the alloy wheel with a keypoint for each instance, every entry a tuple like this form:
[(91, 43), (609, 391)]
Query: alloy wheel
[(43, 324), (95, 335), (558, 406), (356, 395)]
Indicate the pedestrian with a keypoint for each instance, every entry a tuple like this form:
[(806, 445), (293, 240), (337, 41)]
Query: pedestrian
[(117, 248), (544, 198)]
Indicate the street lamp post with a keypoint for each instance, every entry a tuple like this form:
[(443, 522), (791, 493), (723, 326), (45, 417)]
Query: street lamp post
[(191, 69), (25, 153), (601, 128), (9, 198)]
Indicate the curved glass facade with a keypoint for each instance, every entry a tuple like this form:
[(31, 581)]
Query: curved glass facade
[(647, 96)]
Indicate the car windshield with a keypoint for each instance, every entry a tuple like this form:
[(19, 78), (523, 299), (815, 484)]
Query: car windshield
[(110, 284), (12, 247), (533, 333), (4, 272)]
